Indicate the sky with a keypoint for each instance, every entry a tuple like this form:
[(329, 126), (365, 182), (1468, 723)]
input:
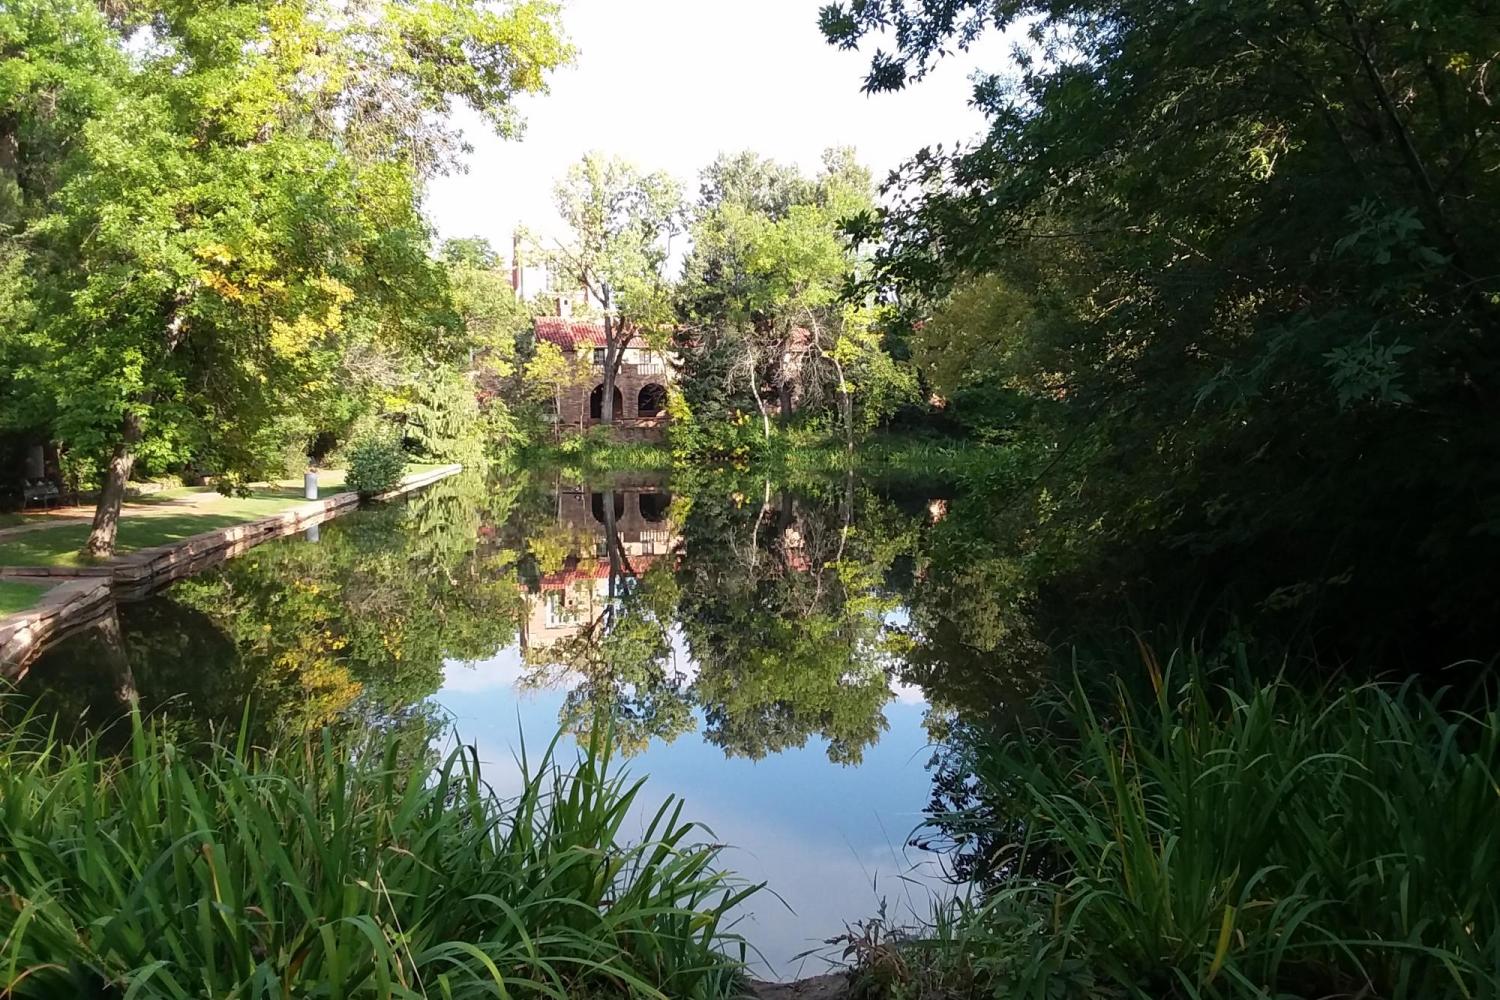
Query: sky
[(828, 840), (669, 84)]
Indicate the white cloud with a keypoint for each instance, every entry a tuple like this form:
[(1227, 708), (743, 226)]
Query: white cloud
[(502, 670)]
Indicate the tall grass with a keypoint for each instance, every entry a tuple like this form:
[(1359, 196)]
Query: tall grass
[(1196, 842), (595, 452), (896, 456), (314, 869)]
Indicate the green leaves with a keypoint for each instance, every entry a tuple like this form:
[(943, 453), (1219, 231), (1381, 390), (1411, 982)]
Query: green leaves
[(1195, 842), (1200, 236), (222, 209), (622, 223), (1368, 371)]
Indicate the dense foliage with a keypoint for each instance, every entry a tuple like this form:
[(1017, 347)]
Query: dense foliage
[(1191, 841), (765, 322), (376, 464), (1234, 267), (210, 216)]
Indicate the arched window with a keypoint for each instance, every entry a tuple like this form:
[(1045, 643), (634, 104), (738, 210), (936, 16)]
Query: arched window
[(596, 501), (652, 401), (654, 506), (596, 403)]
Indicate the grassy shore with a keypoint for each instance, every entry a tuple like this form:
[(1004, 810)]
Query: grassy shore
[(161, 518), (16, 595), (1187, 840)]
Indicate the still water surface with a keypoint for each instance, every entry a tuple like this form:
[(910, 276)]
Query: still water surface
[(753, 648)]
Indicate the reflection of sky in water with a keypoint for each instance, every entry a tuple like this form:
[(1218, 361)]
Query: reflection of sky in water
[(828, 839)]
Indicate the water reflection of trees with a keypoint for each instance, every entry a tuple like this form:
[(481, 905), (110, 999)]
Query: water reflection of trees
[(778, 602), (785, 612), (602, 612), (354, 627), (768, 616)]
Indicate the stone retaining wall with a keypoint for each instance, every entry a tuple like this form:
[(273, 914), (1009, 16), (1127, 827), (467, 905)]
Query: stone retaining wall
[(88, 591), (65, 607)]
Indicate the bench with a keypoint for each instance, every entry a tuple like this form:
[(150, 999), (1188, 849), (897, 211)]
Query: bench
[(41, 493)]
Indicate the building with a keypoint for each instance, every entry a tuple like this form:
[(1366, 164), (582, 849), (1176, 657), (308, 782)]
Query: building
[(565, 602), (640, 400)]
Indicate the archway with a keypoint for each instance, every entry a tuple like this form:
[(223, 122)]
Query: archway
[(654, 506), (596, 504), (652, 400), (596, 403)]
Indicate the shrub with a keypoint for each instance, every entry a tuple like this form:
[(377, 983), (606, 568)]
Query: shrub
[(1198, 842), (326, 868), (376, 463)]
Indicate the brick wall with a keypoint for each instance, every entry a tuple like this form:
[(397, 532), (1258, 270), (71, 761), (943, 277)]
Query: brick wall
[(640, 370)]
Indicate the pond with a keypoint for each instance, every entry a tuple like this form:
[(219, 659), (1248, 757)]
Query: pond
[(769, 653)]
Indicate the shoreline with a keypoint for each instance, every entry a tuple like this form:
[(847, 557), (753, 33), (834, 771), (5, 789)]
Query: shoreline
[(83, 595)]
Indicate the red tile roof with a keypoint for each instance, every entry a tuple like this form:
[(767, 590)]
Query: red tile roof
[(599, 571), (572, 334)]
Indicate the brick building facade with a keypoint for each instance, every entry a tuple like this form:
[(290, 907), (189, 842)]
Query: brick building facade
[(640, 404)]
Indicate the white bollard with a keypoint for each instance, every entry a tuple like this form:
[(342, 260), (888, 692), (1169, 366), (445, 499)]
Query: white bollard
[(310, 484)]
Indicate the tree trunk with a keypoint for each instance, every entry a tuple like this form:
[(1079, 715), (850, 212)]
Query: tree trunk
[(607, 404), (784, 398), (765, 419), (101, 543), (614, 351), (846, 405)]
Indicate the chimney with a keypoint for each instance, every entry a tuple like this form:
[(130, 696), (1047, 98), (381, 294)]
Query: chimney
[(517, 276)]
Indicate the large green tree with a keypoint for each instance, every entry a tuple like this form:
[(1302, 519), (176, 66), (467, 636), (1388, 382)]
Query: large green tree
[(621, 224), (235, 210), (1235, 266), (762, 290)]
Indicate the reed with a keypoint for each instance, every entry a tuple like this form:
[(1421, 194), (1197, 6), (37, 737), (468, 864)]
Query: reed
[(1192, 841), (318, 868)]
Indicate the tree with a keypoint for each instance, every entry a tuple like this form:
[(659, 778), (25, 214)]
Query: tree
[(622, 224), (549, 372), (1243, 264), (493, 318), (495, 323), (238, 209), (766, 276)]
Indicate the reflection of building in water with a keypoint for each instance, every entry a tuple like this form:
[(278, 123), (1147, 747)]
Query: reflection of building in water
[(576, 595)]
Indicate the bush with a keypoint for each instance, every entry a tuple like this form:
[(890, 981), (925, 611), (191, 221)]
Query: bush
[(328, 868), (1198, 842), (376, 463)]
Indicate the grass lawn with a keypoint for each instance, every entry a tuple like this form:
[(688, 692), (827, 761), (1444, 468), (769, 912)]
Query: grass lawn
[(59, 546), (16, 596)]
